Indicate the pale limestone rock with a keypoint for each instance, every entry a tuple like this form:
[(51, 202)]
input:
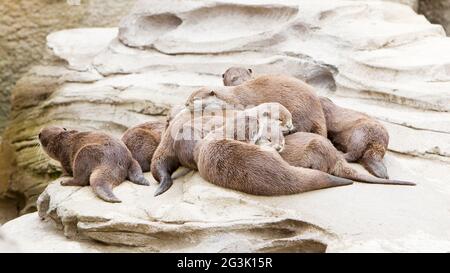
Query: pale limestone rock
[(7, 245), (24, 25), (193, 216), (377, 57), (197, 216)]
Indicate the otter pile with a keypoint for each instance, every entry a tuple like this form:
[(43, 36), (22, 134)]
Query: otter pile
[(264, 135)]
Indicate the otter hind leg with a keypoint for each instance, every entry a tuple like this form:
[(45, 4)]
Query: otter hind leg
[(74, 182), (81, 169), (135, 174), (102, 183)]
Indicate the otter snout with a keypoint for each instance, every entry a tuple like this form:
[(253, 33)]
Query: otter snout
[(289, 129), (279, 148)]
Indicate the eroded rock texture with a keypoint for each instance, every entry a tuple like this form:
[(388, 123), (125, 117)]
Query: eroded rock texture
[(437, 11), (24, 24), (377, 57)]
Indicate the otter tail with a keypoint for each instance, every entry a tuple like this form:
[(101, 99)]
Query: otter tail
[(320, 180), (135, 174), (180, 172), (248, 168), (344, 170), (102, 186)]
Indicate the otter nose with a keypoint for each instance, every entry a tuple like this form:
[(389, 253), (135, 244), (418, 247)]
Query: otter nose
[(279, 148)]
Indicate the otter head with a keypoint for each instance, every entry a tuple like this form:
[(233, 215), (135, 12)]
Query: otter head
[(276, 112), (53, 140), (205, 98), (236, 75), (270, 135)]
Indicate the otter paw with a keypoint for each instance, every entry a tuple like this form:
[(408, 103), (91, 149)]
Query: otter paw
[(70, 182), (142, 181)]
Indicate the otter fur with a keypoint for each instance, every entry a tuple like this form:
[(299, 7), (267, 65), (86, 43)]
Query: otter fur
[(236, 75), (297, 96), (175, 150), (142, 141), (255, 169), (92, 158), (316, 152), (362, 138)]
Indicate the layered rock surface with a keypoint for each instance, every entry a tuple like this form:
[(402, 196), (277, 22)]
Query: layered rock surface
[(377, 57), (24, 24)]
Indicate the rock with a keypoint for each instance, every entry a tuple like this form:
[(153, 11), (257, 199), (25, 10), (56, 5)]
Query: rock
[(196, 216), (6, 245), (8, 210), (193, 216), (25, 24), (373, 56), (437, 11)]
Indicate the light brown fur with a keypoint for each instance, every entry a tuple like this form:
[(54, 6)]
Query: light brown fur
[(255, 169), (236, 75), (91, 158), (316, 152), (297, 96), (142, 141), (362, 138), (174, 152)]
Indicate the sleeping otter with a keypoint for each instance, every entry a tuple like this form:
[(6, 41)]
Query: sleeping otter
[(254, 169), (297, 96), (316, 152), (142, 141), (175, 151), (362, 138)]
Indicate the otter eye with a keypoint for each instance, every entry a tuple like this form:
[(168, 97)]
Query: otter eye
[(223, 76), (39, 136), (250, 70), (64, 129)]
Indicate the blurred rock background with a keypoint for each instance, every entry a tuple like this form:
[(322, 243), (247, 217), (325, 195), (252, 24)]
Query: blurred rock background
[(24, 26)]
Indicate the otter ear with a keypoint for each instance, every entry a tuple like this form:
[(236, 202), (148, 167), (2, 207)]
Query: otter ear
[(223, 76), (212, 93), (250, 70)]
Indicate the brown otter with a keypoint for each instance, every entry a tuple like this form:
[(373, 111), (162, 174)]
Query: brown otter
[(92, 158), (297, 96), (175, 151), (236, 75), (316, 152), (359, 136), (142, 141), (255, 169)]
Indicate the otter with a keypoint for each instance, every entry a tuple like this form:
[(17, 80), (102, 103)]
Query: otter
[(175, 151), (297, 96), (236, 75), (362, 138), (316, 152), (91, 158), (254, 169), (142, 141)]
